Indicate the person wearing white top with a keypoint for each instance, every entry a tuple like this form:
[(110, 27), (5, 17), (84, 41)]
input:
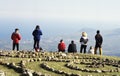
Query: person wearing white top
[(83, 41), (91, 50)]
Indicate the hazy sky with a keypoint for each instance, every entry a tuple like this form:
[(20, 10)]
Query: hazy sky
[(90, 10), (57, 17)]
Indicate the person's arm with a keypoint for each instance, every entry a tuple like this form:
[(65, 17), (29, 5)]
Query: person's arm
[(33, 33), (69, 48), (41, 32), (64, 45), (81, 39), (19, 37), (75, 48), (95, 37)]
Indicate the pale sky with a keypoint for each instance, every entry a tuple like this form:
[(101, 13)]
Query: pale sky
[(90, 10)]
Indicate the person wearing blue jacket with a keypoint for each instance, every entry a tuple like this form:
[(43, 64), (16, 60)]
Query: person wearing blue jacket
[(37, 35)]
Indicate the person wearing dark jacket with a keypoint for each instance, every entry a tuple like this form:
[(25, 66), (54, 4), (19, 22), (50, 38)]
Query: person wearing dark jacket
[(16, 38), (37, 35), (72, 47), (99, 41)]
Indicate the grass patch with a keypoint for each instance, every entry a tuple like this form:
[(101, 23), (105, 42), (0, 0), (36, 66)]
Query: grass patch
[(8, 71), (36, 67)]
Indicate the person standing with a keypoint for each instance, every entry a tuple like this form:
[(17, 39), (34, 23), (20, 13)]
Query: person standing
[(16, 38), (83, 41), (72, 47), (99, 41), (37, 35), (61, 46)]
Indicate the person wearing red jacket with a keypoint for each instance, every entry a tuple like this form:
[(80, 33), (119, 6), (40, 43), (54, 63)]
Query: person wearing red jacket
[(61, 46), (16, 38)]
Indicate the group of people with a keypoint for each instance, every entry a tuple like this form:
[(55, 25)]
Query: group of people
[(71, 47), (16, 37), (83, 40)]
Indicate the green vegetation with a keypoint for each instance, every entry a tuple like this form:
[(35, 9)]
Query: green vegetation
[(58, 61), (8, 71)]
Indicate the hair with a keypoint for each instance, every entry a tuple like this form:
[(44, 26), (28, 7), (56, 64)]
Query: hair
[(72, 41), (16, 29), (91, 47), (98, 31), (84, 34), (37, 27), (61, 40)]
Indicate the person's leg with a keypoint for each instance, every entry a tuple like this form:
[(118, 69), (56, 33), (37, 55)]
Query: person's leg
[(63, 50), (85, 46), (34, 46), (100, 51), (81, 48), (17, 45), (37, 42), (96, 47), (95, 51), (13, 48)]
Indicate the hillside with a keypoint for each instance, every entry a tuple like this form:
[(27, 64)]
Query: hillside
[(26, 63), (110, 40)]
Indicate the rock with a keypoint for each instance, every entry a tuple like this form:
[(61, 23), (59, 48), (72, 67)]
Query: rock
[(98, 71), (22, 63), (63, 55), (105, 71), (117, 69), (49, 58), (29, 74), (34, 60), (31, 60), (118, 65), (12, 65), (26, 56), (77, 68), (87, 70), (89, 75), (115, 75), (119, 62), (28, 60), (2, 73), (33, 55), (7, 64), (111, 70), (75, 75), (57, 71), (37, 74), (61, 72), (76, 57), (39, 59)]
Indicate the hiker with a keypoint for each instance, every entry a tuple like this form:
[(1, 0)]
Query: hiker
[(99, 40), (91, 50), (37, 35), (83, 41), (61, 46), (72, 47), (16, 38)]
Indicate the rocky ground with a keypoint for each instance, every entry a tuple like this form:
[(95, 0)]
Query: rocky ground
[(27, 63)]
